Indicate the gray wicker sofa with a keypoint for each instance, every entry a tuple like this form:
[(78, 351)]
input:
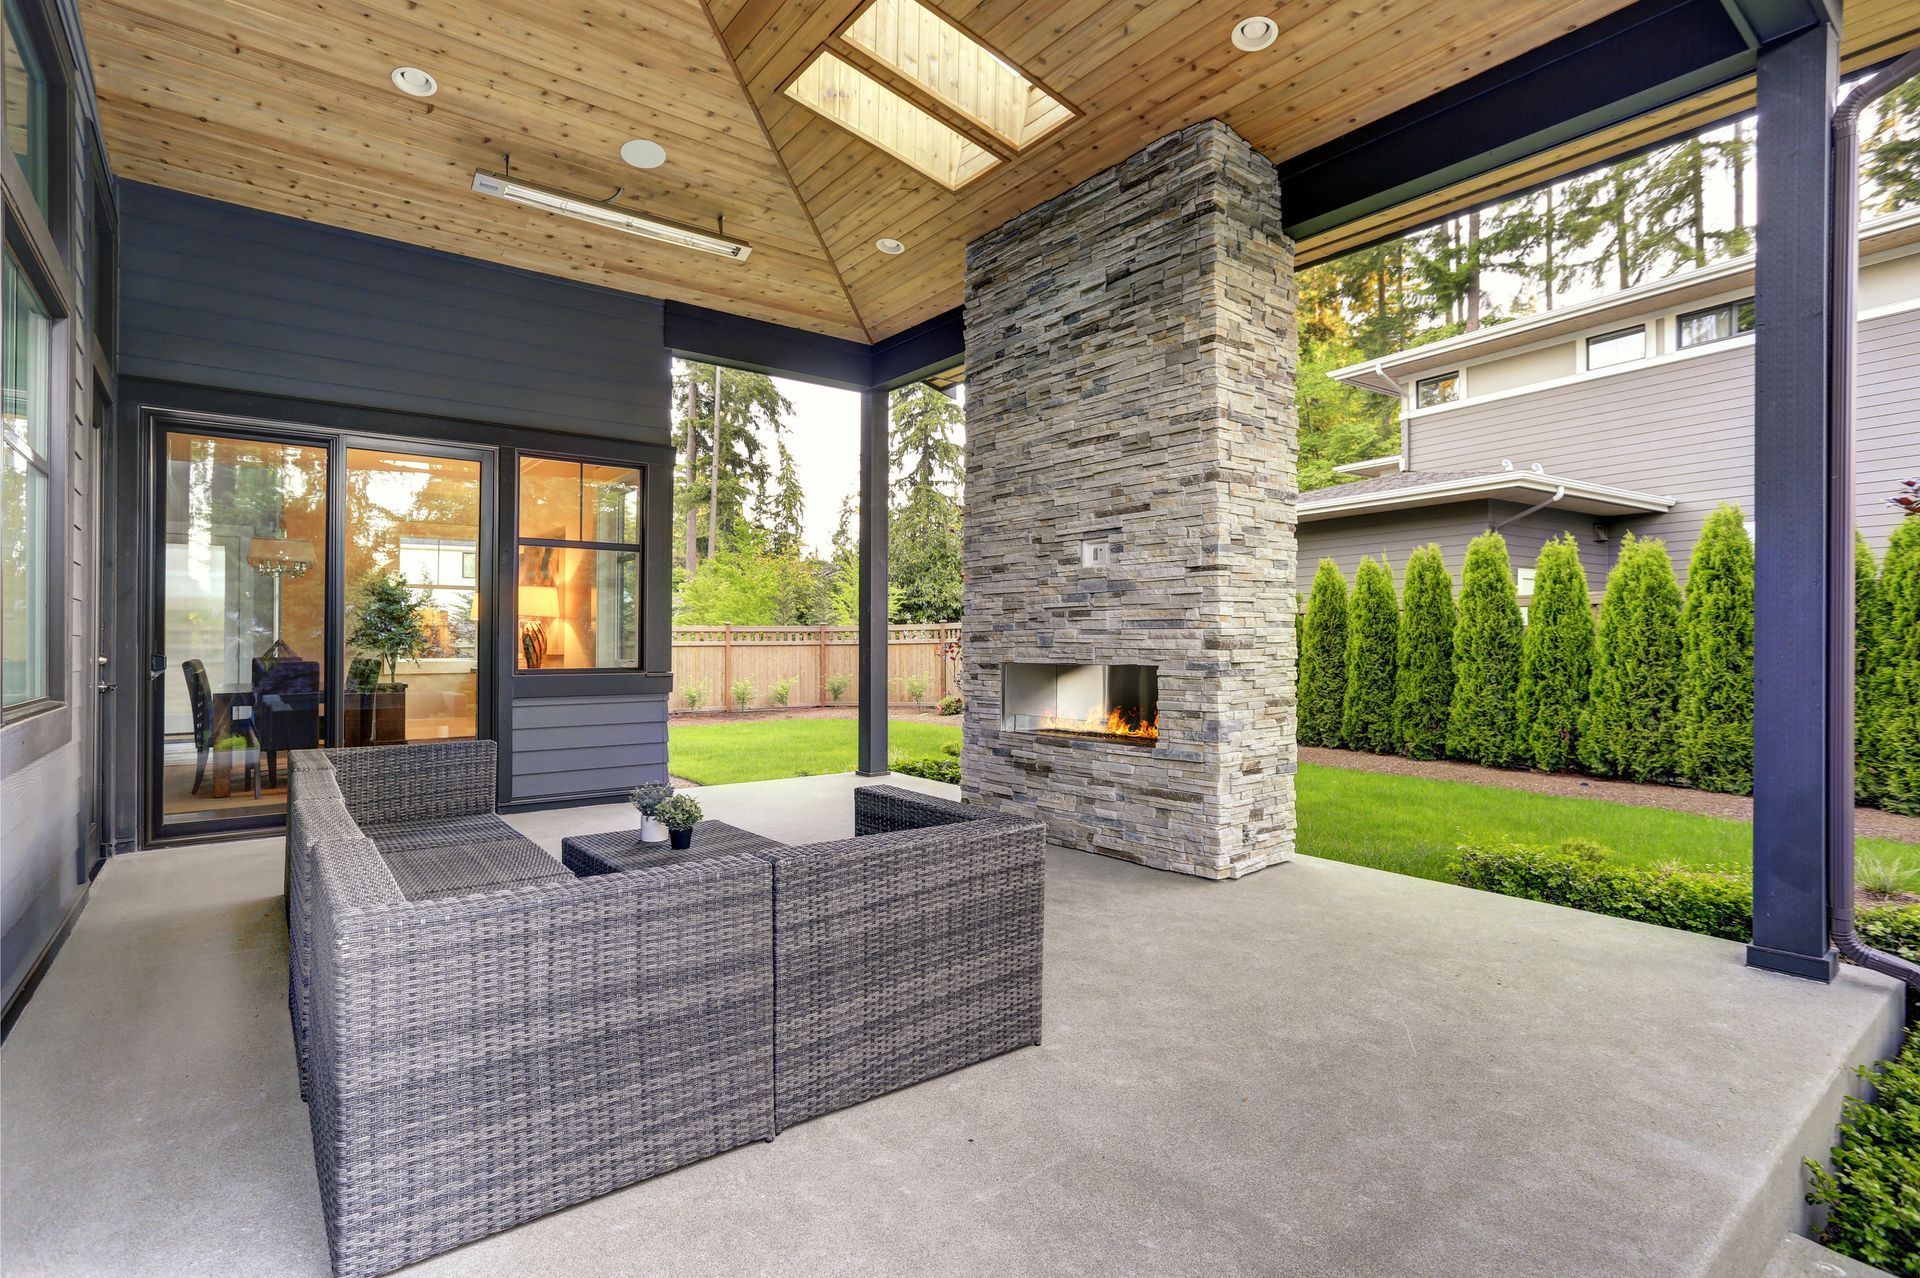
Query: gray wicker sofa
[(484, 1038)]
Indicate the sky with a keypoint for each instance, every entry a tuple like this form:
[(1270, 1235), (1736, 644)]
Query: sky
[(824, 437)]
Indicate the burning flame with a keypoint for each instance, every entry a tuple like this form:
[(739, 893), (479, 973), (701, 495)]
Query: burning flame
[(1118, 723)]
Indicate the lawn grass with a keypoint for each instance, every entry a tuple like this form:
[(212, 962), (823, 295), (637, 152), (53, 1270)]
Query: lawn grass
[(763, 749), (1410, 825)]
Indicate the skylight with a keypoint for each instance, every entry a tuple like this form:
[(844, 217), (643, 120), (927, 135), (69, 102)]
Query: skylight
[(863, 106)]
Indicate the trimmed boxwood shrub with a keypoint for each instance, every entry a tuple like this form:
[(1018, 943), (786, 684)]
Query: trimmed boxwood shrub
[(1323, 658), (1373, 631), (1872, 1195), (1556, 658), (1866, 638), (1481, 727), (1716, 640), (1630, 728), (1895, 703), (1423, 669), (944, 766)]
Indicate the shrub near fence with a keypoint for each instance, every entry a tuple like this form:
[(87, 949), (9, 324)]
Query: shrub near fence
[(813, 660)]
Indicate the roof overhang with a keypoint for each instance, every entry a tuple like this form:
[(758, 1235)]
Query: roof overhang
[(1519, 487), (1373, 467)]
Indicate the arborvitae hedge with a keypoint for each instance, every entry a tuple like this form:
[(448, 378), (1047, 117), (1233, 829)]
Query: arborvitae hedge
[(1373, 629), (1423, 675), (1556, 658), (1323, 658), (1896, 680), (1486, 657), (1631, 727), (1716, 696), (1866, 641)]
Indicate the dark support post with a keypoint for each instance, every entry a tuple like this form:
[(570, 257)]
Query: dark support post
[(1799, 720), (873, 583)]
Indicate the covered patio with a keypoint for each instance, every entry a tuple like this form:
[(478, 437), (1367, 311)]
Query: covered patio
[(1317, 1070)]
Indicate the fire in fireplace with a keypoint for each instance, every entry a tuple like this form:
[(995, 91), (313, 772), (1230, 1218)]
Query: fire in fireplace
[(1118, 703)]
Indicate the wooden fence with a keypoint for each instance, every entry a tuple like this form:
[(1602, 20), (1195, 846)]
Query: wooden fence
[(710, 660)]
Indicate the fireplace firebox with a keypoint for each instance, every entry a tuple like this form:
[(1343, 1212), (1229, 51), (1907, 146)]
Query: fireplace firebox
[(1114, 703)]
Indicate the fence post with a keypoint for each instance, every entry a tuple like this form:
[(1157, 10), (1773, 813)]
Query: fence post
[(940, 661), (726, 665), (820, 676)]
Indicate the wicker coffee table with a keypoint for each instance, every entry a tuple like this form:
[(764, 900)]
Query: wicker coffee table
[(590, 854)]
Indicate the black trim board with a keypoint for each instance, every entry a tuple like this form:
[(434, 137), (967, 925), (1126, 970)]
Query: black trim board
[(1649, 55)]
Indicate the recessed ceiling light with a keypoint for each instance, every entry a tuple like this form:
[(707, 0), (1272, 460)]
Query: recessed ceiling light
[(1250, 35), (414, 81), (890, 245), (643, 154)]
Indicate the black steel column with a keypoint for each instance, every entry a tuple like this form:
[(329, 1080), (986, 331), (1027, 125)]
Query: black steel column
[(873, 583), (1798, 722)]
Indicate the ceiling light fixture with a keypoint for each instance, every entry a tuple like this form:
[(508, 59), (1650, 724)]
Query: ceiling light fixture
[(643, 154), (607, 215), (1250, 35), (414, 82), (890, 246)]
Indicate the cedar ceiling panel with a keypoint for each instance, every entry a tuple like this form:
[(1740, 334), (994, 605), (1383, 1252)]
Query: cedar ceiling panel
[(285, 105)]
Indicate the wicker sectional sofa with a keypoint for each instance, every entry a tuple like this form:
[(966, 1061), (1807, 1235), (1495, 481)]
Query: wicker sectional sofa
[(484, 1038)]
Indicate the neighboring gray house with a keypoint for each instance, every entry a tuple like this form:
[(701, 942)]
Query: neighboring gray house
[(1633, 411)]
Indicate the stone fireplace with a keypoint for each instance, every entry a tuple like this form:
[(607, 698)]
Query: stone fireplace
[(1129, 616)]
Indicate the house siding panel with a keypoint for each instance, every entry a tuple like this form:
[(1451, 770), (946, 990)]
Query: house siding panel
[(1394, 537), (586, 745)]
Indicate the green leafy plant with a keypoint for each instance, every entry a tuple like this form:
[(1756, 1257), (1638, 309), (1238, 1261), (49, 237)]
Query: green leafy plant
[(1323, 658), (390, 622), (648, 798), (781, 690), (1872, 1195), (1556, 658), (952, 703), (1373, 630), (680, 812), (837, 686), (231, 743), (1633, 709), (695, 695), (1481, 726), (743, 692), (1866, 640), (1423, 667), (932, 767), (1716, 692), (917, 686), (1896, 678)]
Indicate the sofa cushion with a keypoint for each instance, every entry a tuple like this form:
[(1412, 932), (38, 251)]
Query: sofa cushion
[(429, 874)]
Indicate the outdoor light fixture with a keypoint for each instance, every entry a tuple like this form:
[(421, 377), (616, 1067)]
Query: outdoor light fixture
[(1250, 35), (415, 82), (502, 187), (890, 246)]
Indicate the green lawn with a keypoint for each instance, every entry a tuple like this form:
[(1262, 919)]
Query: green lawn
[(762, 749), (1405, 824)]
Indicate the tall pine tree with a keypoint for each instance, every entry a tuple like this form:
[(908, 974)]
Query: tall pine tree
[(1896, 692), (1423, 674), (1373, 631), (1481, 724), (923, 539), (1631, 728), (1716, 700), (1321, 700), (1556, 658)]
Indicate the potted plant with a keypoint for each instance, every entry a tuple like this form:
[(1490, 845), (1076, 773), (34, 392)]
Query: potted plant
[(679, 814), (390, 623), (648, 798)]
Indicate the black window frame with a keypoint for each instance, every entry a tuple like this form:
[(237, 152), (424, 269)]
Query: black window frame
[(1739, 308), (1456, 376), (1646, 346), (638, 548)]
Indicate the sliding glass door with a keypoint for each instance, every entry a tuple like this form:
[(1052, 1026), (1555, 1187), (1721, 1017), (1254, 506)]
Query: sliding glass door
[(310, 592)]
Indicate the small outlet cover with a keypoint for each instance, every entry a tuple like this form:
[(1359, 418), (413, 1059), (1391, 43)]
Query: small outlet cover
[(1095, 554)]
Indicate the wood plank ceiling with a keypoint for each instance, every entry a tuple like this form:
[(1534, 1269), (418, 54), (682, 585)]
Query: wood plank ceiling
[(286, 105)]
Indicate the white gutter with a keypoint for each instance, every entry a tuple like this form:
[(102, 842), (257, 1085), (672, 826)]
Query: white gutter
[(1436, 494)]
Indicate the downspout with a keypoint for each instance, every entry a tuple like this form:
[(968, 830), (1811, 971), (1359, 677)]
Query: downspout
[(1559, 494), (1844, 321)]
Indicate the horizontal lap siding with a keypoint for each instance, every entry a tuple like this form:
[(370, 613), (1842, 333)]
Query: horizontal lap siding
[(586, 745), (1886, 441), (217, 295), (1394, 537)]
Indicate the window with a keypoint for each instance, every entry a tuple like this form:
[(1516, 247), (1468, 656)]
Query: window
[(1623, 347), (29, 130), (26, 495), (1431, 391), (1714, 324), (578, 602)]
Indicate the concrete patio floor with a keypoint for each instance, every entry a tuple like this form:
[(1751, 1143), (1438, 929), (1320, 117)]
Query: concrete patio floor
[(1316, 1070)]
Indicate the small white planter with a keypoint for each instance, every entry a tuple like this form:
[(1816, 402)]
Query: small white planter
[(652, 830)]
